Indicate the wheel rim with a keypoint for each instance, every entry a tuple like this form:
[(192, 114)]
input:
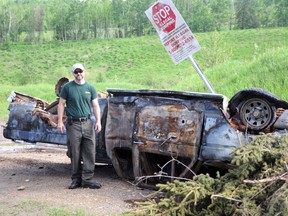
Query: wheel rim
[(256, 113)]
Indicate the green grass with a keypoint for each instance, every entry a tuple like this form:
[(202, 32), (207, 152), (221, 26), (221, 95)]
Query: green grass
[(33, 207), (231, 60)]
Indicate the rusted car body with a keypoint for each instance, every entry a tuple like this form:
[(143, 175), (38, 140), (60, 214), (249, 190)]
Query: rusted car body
[(150, 132)]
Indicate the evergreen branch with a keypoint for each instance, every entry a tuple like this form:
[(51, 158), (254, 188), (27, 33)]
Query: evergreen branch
[(282, 177), (228, 198), (267, 180), (145, 178)]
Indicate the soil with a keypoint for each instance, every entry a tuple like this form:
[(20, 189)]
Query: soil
[(34, 180)]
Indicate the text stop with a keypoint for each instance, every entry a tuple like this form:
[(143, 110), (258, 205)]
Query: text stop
[(164, 17)]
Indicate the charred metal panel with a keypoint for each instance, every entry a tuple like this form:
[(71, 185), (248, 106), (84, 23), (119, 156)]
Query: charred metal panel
[(166, 129), (219, 142), (118, 132), (143, 123), (119, 123), (23, 125), (219, 137), (101, 154), (282, 122)]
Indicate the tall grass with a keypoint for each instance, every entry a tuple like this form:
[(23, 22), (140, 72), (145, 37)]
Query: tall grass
[(231, 60)]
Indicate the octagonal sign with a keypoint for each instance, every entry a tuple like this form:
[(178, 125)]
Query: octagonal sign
[(164, 17)]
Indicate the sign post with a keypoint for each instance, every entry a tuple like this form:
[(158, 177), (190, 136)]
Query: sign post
[(201, 74), (175, 35)]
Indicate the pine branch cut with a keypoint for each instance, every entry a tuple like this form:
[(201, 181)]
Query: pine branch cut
[(283, 177)]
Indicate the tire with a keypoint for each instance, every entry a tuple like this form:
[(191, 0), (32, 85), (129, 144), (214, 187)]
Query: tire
[(249, 93), (256, 114)]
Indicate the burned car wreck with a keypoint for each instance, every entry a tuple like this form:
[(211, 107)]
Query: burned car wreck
[(147, 132)]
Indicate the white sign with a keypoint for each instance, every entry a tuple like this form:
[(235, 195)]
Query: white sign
[(173, 31)]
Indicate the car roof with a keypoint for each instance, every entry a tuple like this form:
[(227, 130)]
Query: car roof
[(165, 93)]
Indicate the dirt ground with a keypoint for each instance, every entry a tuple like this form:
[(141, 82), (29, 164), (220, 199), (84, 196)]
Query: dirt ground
[(34, 180)]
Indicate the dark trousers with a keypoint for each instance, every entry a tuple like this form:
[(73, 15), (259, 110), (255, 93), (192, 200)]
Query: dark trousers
[(81, 140)]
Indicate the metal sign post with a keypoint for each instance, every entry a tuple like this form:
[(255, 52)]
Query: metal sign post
[(201, 74)]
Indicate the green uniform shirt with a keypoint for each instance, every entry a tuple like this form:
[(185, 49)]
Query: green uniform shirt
[(78, 99)]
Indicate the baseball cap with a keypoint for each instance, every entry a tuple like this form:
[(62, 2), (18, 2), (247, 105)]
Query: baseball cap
[(77, 66)]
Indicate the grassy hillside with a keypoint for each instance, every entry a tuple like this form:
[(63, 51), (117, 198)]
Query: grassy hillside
[(231, 60)]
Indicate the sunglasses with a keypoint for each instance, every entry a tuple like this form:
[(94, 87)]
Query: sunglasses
[(78, 71)]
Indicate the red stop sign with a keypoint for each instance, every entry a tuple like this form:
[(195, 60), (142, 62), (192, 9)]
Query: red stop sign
[(163, 17)]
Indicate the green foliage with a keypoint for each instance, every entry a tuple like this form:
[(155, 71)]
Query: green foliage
[(64, 212), (278, 204), (37, 21), (177, 198), (258, 186), (246, 14), (215, 50), (33, 207)]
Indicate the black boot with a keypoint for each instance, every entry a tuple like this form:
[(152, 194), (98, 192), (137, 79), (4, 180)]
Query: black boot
[(91, 185), (75, 184)]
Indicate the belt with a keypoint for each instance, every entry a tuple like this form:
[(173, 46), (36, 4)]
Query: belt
[(81, 119)]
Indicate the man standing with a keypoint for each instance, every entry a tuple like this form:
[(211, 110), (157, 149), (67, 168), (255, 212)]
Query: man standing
[(78, 95)]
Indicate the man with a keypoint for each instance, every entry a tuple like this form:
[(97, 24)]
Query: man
[(78, 95)]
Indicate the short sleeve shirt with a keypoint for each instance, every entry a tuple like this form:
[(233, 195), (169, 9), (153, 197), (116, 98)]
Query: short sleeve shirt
[(78, 98)]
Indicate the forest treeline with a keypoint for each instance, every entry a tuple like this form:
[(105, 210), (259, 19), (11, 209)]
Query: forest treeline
[(47, 20)]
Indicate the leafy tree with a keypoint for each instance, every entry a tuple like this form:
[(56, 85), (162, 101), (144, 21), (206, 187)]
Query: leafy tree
[(120, 17), (221, 13), (85, 19), (265, 13), (59, 21), (281, 13), (34, 27), (208, 15), (137, 20), (12, 20), (246, 14)]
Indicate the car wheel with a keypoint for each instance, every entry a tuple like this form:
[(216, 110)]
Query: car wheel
[(256, 113), (256, 93)]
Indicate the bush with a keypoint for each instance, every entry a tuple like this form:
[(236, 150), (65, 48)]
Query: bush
[(258, 186)]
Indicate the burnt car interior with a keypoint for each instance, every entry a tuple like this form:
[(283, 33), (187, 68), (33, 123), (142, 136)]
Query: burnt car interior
[(158, 134)]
